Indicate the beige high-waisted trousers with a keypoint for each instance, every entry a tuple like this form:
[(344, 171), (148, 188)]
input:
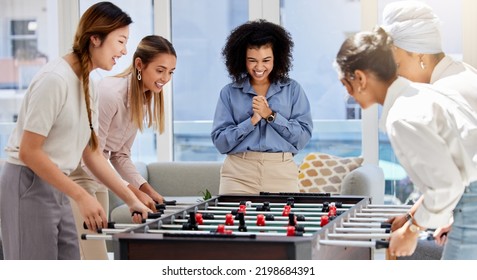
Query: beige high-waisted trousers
[(255, 172)]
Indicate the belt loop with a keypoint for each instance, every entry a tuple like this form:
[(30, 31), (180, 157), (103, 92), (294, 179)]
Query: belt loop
[(283, 157), (243, 155)]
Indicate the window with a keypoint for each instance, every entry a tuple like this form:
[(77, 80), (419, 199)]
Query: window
[(25, 46), (318, 36), (23, 38), (199, 31)]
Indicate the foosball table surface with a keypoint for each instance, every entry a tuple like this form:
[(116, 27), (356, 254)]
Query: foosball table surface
[(262, 227)]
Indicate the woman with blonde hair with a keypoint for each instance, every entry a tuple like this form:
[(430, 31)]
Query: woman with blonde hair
[(128, 103)]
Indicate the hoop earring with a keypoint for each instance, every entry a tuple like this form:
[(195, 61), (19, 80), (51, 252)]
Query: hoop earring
[(139, 77)]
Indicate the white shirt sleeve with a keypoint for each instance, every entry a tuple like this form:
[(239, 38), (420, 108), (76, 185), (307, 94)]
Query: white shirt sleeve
[(430, 164)]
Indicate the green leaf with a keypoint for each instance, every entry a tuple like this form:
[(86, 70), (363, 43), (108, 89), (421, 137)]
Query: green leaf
[(206, 194)]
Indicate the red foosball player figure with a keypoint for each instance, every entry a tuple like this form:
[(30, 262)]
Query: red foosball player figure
[(286, 210), (229, 219), (324, 220), (290, 231), (260, 220), (294, 231), (221, 229), (199, 219), (332, 211)]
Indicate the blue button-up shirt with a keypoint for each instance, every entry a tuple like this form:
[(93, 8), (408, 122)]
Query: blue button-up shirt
[(233, 132)]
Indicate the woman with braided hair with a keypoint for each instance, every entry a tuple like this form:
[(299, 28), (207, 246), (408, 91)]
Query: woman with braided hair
[(55, 130)]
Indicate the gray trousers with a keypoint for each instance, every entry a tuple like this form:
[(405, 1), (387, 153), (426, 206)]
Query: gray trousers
[(36, 219)]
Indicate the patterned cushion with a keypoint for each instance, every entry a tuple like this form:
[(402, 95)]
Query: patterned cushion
[(324, 173)]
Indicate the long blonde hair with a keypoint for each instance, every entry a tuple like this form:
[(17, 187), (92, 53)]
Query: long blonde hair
[(98, 20), (147, 50)]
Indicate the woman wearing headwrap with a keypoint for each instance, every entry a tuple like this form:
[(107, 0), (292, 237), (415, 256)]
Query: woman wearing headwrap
[(433, 132), (415, 31)]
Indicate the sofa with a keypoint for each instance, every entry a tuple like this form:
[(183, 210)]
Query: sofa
[(173, 179)]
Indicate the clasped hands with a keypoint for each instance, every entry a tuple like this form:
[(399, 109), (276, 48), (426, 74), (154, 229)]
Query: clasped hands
[(260, 108)]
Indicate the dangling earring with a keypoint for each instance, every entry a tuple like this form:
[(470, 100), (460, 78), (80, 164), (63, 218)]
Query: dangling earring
[(139, 77), (423, 66)]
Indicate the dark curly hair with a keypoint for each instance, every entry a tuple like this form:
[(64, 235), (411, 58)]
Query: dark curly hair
[(256, 34)]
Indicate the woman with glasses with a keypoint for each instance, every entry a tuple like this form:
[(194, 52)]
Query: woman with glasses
[(432, 130)]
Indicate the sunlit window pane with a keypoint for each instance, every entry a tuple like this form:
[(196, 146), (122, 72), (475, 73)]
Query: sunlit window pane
[(318, 36), (199, 31)]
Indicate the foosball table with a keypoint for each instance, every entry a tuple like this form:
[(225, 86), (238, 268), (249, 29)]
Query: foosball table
[(267, 226)]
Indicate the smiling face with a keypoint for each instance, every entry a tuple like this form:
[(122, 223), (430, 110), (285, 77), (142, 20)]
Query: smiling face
[(259, 63), (104, 54), (158, 72)]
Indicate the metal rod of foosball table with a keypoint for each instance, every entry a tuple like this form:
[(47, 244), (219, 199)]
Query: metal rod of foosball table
[(264, 212), (112, 230), (211, 234), (275, 217), (384, 210), (96, 237), (272, 209), (377, 244), (374, 225), (388, 215), (254, 228), (275, 204), (253, 222), (363, 230), (368, 220), (400, 206), (359, 235)]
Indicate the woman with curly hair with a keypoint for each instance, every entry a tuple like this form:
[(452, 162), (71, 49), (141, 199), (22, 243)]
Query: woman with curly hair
[(263, 117)]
